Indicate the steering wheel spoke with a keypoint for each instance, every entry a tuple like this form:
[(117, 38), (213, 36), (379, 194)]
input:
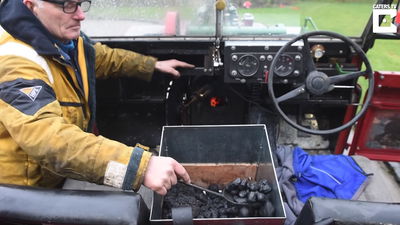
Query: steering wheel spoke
[(291, 94), (344, 77), (309, 62)]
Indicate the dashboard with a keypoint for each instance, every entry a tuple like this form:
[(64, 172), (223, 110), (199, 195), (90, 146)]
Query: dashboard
[(249, 62)]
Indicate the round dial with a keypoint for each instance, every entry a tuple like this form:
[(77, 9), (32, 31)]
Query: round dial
[(284, 66), (247, 65)]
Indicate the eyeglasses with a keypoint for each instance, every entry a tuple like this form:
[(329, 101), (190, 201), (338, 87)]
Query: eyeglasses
[(71, 6)]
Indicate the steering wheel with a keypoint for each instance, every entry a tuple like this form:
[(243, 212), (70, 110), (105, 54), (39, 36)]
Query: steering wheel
[(317, 82)]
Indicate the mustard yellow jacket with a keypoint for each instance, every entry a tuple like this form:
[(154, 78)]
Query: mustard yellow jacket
[(45, 114)]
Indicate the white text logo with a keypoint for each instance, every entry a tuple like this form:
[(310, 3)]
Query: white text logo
[(31, 92), (382, 17)]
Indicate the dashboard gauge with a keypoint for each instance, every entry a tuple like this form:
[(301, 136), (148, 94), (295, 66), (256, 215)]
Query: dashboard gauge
[(284, 66), (247, 65)]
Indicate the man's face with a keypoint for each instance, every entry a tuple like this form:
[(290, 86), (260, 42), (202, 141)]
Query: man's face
[(63, 26)]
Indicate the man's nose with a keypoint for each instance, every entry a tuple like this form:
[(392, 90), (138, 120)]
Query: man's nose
[(79, 14)]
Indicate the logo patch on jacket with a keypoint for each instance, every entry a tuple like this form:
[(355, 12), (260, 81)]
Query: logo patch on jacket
[(31, 92), (28, 96)]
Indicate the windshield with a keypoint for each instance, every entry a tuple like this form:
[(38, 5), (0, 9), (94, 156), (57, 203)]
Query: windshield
[(239, 18)]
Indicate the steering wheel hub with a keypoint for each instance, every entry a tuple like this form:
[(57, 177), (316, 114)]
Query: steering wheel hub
[(317, 83)]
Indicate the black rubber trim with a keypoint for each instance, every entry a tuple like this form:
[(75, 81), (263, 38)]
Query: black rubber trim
[(38, 206), (182, 216)]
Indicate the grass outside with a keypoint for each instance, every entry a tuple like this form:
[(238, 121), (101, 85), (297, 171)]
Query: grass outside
[(385, 55), (327, 15)]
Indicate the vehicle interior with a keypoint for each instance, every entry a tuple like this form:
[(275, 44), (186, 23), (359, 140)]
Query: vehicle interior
[(246, 72), (308, 86)]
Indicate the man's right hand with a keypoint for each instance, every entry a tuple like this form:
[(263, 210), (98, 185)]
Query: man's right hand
[(162, 173)]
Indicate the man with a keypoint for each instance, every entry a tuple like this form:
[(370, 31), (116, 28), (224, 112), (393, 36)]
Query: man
[(47, 102)]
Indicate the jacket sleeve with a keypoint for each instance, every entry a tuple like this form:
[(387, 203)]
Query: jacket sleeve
[(116, 62), (32, 116)]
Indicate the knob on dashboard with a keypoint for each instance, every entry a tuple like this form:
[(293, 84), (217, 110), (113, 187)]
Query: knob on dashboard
[(318, 51)]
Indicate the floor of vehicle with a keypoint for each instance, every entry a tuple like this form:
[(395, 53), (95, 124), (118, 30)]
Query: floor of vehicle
[(383, 185)]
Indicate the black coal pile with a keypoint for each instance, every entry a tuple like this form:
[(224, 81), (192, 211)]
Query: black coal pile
[(204, 205)]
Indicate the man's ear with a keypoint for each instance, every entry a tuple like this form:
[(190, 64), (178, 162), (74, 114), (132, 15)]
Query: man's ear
[(29, 4)]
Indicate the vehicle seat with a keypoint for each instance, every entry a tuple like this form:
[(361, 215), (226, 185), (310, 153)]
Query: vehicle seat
[(325, 211), (29, 205)]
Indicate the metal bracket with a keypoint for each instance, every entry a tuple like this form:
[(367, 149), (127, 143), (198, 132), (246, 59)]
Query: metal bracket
[(216, 55), (219, 7)]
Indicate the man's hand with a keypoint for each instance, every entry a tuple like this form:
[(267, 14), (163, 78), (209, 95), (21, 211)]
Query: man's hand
[(169, 67), (162, 173)]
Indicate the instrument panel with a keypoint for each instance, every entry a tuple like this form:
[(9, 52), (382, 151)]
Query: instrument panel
[(249, 62)]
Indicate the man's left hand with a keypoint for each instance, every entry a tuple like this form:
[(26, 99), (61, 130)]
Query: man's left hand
[(169, 67)]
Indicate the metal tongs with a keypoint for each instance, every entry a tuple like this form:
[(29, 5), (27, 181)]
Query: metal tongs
[(223, 195)]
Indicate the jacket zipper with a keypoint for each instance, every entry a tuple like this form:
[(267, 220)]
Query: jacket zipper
[(329, 175), (77, 89)]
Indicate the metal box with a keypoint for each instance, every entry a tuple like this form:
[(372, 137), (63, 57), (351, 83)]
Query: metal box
[(219, 154)]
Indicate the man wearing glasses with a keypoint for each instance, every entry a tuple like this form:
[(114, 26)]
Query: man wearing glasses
[(47, 102)]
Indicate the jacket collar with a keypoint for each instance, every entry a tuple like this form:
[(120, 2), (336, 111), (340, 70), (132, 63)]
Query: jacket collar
[(20, 22)]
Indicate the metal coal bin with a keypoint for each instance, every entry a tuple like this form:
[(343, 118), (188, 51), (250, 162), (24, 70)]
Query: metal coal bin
[(218, 154)]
